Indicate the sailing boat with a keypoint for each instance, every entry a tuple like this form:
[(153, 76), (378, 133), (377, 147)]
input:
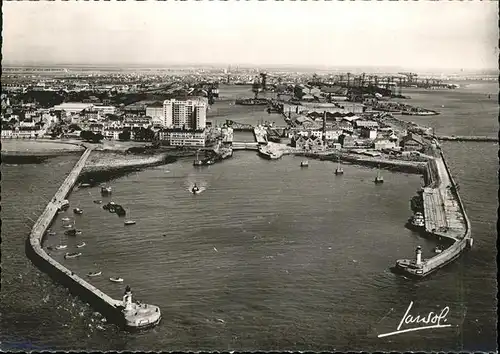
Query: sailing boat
[(339, 170), (197, 162), (61, 245), (379, 178), (129, 222)]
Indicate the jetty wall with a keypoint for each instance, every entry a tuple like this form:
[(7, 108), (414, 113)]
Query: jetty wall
[(468, 138), (460, 242), (101, 302)]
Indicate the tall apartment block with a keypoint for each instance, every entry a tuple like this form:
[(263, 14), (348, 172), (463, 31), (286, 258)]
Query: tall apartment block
[(185, 114)]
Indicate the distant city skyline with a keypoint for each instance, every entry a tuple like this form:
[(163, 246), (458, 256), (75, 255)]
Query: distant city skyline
[(420, 36)]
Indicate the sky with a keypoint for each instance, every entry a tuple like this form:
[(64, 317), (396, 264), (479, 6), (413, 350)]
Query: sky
[(407, 34)]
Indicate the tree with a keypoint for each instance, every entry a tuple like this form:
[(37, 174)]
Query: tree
[(87, 135), (97, 137), (124, 135), (74, 127)]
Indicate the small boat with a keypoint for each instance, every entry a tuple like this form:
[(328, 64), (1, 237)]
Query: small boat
[(105, 190), (94, 274), (339, 170), (129, 222), (78, 232), (81, 245), (417, 221), (97, 201), (197, 162), (120, 211), (379, 179), (72, 255), (61, 247), (71, 232), (195, 189), (84, 185), (52, 233), (116, 280), (304, 163), (438, 250), (69, 226), (65, 219), (64, 205), (78, 211)]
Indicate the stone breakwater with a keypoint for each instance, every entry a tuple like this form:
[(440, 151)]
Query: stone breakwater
[(445, 218), (417, 167), (124, 313)]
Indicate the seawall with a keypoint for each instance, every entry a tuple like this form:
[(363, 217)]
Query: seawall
[(394, 165), (468, 138), (109, 307), (457, 230)]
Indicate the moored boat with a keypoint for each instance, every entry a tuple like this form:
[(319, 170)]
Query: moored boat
[(65, 219), (379, 179), (105, 190), (304, 163), (417, 221), (72, 255), (97, 201), (78, 211), (71, 232), (116, 279), (61, 247), (64, 205), (84, 185), (81, 245), (339, 170), (129, 222), (94, 274)]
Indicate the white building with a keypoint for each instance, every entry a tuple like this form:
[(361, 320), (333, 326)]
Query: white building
[(137, 122), (384, 144), (103, 110), (185, 114), (73, 107), (157, 113), (227, 134), (174, 137)]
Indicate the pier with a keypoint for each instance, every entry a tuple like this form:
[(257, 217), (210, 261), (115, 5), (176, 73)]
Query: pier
[(467, 138), (122, 312), (445, 219)]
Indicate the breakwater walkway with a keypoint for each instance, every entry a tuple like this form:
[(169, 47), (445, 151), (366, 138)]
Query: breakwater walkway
[(445, 219), (468, 138), (122, 312)]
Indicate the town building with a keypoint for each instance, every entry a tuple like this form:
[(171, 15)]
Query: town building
[(137, 122), (103, 110), (185, 114), (412, 142), (368, 133), (384, 144), (227, 134), (73, 107), (179, 137), (156, 112)]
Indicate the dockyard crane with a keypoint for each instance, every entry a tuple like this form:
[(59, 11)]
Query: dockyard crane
[(348, 79)]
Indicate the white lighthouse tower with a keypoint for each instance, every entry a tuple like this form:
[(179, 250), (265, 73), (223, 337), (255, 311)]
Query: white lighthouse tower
[(418, 254), (127, 299)]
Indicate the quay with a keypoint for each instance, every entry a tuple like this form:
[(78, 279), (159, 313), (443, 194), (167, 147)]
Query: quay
[(467, 138), (125, 313), (445, 219)]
